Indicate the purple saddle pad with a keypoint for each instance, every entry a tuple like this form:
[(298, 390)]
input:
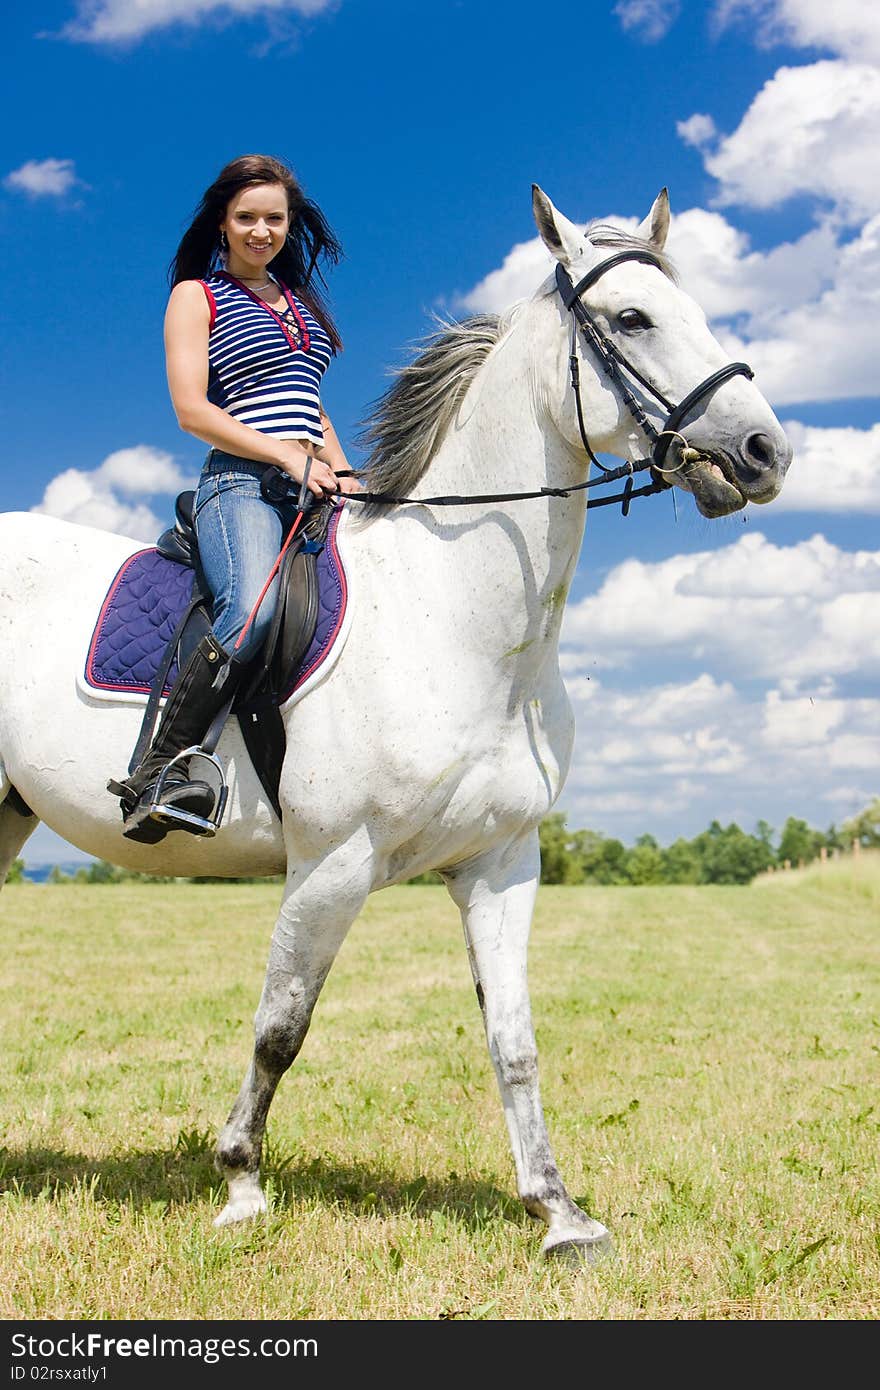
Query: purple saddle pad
[(146, 601)]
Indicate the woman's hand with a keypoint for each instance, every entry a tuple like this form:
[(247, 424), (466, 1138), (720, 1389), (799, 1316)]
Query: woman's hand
[(294, 455), (349, 485)]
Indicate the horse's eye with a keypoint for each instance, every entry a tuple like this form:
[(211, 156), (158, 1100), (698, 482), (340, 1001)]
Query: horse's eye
[(632, 319)]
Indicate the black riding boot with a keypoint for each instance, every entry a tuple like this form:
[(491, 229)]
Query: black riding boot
[(195, 699)]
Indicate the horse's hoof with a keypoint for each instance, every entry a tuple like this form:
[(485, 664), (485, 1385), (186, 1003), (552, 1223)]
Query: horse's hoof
[(242, 1209), (246, 1200), (575, 1254)]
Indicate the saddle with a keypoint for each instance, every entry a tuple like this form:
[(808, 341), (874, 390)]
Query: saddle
[(269, 675)]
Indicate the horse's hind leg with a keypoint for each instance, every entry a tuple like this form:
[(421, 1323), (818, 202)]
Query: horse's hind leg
[(496, 895), (15, 825), (315, 916)]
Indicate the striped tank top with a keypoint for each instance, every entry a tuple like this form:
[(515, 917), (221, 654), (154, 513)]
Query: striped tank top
[(263, 369)]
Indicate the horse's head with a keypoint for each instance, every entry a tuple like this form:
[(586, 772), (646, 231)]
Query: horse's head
[(652, 379)]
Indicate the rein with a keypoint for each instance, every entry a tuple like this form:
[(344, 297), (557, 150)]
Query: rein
[(610, 475), (612, 361)]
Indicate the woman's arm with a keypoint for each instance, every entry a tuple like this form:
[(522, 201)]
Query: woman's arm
[(187, 327), (331, 452)]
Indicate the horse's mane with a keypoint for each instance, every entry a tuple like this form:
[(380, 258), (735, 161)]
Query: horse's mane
[(403, 427)]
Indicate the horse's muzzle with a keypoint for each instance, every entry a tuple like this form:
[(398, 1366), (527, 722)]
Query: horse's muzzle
[(761, 465)]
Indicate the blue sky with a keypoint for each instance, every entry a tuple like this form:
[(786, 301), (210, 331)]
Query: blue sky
[(741, 680)]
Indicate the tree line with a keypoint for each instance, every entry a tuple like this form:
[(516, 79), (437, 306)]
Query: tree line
[(720, 854)]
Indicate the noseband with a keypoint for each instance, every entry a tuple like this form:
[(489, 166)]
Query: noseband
[(612, 360)]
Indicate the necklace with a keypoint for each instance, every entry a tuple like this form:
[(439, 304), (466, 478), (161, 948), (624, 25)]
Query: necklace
[(265, 285)]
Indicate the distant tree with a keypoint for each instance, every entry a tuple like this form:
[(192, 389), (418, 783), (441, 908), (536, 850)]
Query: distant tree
[(104, 872), (560, 857), (16, 873), (57, 875), (218, 878), (764, 833), (729, 855), (681, 862), (603, 860), (835, 839), (798, 843), (644, 862), (865, 827)]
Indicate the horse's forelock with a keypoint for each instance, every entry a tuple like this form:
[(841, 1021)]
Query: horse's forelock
[(603, 234)]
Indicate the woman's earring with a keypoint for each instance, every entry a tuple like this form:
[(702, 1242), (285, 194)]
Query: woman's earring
[(224, 244)]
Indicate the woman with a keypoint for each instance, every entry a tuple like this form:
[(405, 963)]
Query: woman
[(246, 347)]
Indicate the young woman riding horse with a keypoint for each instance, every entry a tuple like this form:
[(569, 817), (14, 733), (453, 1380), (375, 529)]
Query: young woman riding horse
[(246, 349)]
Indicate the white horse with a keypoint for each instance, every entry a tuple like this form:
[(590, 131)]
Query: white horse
[(442, 734)]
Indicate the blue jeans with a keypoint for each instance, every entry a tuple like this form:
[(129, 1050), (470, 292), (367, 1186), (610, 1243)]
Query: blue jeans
[(239, 536)]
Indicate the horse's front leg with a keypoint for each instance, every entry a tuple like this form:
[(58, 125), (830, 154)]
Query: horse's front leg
[(316, 913), (496, 896), (15, 827)]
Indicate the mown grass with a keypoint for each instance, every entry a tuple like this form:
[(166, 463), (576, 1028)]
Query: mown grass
[(709, 1068)]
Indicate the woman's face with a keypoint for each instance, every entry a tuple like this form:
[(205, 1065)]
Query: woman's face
[(255, 224)]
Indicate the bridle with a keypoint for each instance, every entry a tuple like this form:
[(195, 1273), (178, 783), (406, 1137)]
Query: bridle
[(612, 361)]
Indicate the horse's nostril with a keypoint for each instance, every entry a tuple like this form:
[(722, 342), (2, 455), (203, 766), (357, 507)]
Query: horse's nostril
[(759, 450)]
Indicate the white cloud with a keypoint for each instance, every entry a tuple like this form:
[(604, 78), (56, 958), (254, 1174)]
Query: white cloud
[(834, 470), (92, 498), (823, 348), (519, 275), (810, 130), (669, 758), (752, 609), (715, 262), (43, 178), (648, 19), (803, 314), (719, 269), (849, 28), (120, 21), (142, 469), (698, 130)]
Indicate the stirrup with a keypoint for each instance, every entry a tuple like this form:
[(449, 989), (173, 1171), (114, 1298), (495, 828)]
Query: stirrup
[(165, 812)]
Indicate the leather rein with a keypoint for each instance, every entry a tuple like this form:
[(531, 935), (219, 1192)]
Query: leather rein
[(612, 361)]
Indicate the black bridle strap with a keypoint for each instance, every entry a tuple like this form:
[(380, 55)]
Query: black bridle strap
[(610, 475), (612, 360), (705, 388), (573, 292)]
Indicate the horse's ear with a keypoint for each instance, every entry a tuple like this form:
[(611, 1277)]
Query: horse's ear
[(655, 227), (562, 238)]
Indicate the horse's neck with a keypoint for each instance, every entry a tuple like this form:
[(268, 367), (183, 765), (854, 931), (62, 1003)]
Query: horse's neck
[(508, 565), (503, 440)]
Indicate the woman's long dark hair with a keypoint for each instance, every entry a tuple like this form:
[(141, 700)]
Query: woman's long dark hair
[(309, 238)]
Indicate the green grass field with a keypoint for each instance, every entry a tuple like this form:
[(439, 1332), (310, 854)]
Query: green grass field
[(709, 1064)]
